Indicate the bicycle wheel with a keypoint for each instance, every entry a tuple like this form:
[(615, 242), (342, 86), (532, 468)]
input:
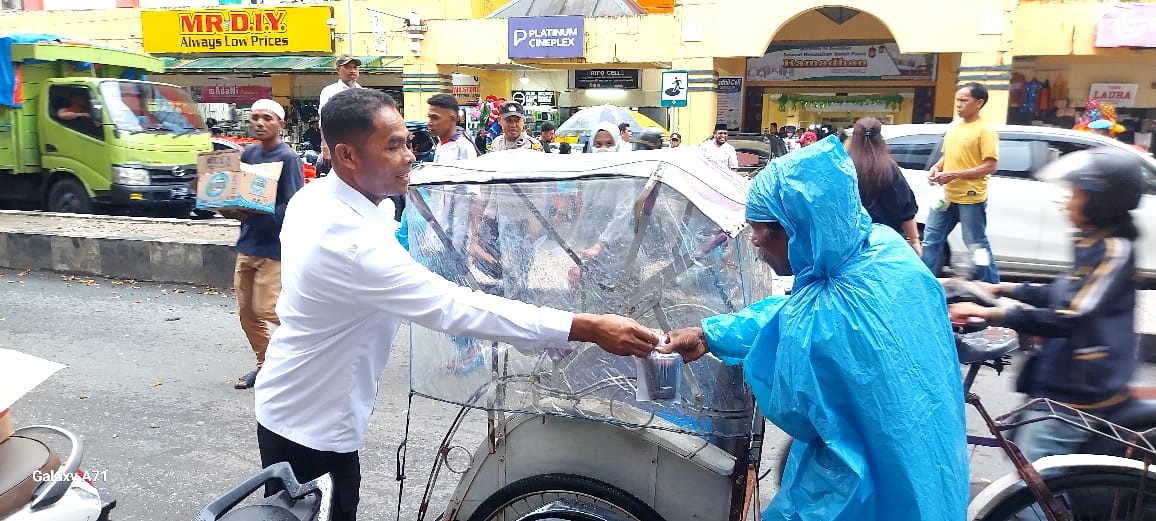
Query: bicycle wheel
[(521, 497), (1099, 495)]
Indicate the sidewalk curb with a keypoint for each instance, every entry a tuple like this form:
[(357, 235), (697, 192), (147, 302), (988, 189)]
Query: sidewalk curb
[(120, 257)]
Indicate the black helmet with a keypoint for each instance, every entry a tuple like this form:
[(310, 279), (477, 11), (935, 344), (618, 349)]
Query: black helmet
[(650, 139), (1110, 175)]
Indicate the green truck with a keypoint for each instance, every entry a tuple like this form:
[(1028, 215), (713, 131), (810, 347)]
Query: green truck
[(81, 131)]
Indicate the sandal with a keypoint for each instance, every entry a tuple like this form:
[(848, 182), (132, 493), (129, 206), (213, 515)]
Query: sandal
[(247, 381)]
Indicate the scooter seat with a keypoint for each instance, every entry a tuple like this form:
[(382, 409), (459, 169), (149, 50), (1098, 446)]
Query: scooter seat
[(1135, 414), (20, 460)]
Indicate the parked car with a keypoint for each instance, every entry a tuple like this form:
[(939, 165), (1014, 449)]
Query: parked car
[(754, 151), (1026, 225)]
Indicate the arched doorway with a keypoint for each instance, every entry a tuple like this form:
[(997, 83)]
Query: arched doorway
[(829, 66)]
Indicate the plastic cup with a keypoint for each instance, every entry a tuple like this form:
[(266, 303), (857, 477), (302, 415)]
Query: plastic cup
[(663, 373)]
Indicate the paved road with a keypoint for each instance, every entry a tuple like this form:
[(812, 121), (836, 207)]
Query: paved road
[(149, 386)]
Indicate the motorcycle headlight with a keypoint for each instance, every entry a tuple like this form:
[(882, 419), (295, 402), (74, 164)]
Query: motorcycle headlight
[(128, 175)]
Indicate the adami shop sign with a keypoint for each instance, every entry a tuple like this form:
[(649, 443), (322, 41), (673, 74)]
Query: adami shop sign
[(546, 37), (1127, 25), (282, 29)]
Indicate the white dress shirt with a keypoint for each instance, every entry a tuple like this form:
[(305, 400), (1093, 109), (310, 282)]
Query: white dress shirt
[(457, 148), (346, 285), (331, 90), (724, 154)]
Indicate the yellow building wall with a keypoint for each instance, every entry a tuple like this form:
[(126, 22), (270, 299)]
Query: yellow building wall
[(812, 26), (1043, 29)]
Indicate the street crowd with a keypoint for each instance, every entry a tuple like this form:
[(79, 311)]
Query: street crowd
[(322, 286)]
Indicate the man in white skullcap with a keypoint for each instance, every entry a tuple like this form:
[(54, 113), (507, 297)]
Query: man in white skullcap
[(257, 276)]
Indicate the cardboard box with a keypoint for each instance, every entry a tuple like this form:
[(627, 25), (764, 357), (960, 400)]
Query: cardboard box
[(5, 424), (225, 183), (19, 373)]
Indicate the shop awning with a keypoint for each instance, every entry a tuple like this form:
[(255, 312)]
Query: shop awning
[(272, 64), (568, 7)]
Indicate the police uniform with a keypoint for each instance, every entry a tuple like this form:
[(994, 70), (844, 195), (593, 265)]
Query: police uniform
[(513, 108), (523, 141)]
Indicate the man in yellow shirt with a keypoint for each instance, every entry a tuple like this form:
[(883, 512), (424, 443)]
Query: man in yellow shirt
[(970, 152)]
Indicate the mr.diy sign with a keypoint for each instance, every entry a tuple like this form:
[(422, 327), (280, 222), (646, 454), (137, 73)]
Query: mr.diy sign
[(293, 29)]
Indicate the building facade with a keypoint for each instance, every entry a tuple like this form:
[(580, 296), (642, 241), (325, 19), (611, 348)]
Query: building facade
[(745, 62)]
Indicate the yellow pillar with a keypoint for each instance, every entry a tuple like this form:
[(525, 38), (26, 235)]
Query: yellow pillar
[(495, 83), (696, 120), (282, 88), (420, 81), (945, 82), (988, 69)]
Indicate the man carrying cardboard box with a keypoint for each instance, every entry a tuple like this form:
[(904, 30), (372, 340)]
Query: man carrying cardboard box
[(257, 277)]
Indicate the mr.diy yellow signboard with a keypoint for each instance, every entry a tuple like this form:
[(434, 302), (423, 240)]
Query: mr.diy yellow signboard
[(274, 30)]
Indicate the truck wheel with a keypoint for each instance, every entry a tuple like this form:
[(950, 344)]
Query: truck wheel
[(68, 196)]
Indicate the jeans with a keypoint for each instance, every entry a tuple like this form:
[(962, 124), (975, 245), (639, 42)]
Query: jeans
[(1048, 437), (973, 217)]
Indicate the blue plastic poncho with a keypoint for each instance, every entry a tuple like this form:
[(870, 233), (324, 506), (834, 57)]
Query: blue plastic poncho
[(858, 364)]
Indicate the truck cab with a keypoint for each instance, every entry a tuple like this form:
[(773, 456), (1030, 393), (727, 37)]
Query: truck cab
[(87, 138)]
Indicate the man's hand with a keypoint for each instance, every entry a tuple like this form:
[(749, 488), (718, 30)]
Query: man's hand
[(688, 342), (932, 174), (966, 310), (479, 254), (239, 215), (614, 334)]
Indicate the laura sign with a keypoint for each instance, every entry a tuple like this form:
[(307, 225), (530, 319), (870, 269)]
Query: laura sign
[(292, 29), (1119, 94), (546, 37)]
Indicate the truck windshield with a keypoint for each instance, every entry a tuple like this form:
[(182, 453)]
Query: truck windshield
[(135, 106)]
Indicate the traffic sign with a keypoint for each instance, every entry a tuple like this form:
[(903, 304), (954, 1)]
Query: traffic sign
[(674, 88)]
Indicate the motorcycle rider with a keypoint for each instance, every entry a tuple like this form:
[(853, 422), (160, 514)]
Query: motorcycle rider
[(650, 139), (1087, 313)]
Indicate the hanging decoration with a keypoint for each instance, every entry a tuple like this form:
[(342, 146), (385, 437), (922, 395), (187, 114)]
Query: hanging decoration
[(1095, 110), (823, 103)]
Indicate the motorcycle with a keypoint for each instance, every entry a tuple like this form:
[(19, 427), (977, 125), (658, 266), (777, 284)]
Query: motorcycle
[(292, 501), (36, 486)]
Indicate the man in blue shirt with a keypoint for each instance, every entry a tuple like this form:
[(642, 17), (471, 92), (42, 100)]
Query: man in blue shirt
[(257, 276)]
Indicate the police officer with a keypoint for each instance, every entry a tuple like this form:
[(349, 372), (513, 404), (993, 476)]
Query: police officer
[(650, 139), (514, 135)]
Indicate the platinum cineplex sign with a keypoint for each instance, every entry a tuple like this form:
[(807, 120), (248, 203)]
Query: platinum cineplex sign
[(546, 37)]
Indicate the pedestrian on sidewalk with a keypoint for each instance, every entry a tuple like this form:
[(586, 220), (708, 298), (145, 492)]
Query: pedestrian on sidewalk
[(970, 152), (719, 150), (257, 275)]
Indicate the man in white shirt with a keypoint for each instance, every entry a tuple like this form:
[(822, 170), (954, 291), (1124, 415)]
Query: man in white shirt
[(348, 69), (443, 124), (719, 150), (625, 136), (346, 286)]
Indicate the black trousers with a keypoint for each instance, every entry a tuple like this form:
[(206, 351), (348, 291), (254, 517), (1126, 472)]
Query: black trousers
[(309, 464)]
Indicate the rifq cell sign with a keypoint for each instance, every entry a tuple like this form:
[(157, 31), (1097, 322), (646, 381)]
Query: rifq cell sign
[(292, 29), (546, 37)]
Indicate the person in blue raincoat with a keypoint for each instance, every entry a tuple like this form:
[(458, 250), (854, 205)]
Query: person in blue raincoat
[(858, 365)]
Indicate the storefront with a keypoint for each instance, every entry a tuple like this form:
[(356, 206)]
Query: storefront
[(229, 58), (1110, 60)]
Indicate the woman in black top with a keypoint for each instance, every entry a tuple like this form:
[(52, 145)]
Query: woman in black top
[(882, 188)]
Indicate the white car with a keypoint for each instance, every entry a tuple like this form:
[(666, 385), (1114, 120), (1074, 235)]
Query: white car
[(1029, 233)]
